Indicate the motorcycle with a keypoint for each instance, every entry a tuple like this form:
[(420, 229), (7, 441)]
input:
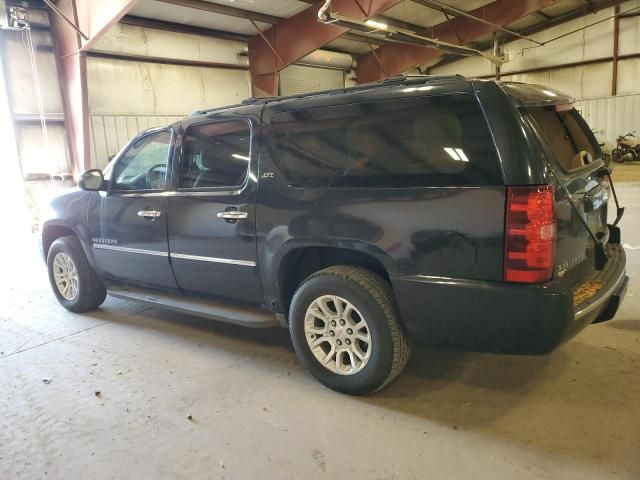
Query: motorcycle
[(627, 148)]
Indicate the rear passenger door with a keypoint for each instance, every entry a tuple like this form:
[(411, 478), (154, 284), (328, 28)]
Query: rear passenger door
[(211, 213)]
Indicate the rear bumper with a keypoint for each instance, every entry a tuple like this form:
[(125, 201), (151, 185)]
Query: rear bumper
[(508, 317)]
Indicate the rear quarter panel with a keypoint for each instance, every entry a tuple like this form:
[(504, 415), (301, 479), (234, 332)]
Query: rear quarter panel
[(453, 232)]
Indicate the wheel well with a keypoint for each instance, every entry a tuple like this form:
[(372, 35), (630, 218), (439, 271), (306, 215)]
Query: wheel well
[(51, 234), (302, 262)]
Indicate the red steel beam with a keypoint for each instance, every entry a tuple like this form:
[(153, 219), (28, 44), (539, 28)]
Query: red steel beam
[(616, 51), (397, 59), (291, 39), (72, 77), (93, 18)]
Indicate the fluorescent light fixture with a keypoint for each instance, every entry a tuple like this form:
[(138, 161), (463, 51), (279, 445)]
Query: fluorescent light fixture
[(378, 25), (457, 154), (240, 157)]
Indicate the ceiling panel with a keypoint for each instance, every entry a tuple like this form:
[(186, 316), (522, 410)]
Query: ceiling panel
[(417, 14), (277, 8), (192, 16)]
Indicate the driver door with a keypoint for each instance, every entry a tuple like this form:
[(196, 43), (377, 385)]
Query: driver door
[(129, 222)]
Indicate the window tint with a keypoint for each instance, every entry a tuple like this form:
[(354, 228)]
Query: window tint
[(144, 165), (215, 155), (566, 135), (413, 142)]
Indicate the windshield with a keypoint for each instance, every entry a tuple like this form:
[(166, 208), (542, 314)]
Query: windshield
[(568, 137)]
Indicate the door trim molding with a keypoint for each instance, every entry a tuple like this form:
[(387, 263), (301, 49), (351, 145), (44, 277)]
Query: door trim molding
[(229, 261), (100, 246), (182, 256)]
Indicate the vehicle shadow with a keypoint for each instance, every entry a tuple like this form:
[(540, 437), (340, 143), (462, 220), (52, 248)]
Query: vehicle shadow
[(567, 402)]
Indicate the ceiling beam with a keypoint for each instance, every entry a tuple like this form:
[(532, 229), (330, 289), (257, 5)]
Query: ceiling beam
[(396, 59), (291, 39)]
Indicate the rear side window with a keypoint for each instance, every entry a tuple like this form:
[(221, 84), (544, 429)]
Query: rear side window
[(412, 142), (215, 155), (567, 136)]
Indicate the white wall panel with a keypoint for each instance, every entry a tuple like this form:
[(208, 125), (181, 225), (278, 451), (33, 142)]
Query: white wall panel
[(35, 154), (126, 97), (38, 157), (629, 40), (135, 40), (20, 80), (592, 43), (132, 88), (611, 116), (629, 76)]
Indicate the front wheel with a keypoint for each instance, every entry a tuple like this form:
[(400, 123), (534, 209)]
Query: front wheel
[(74, 283), (346, 330), (616, 155)]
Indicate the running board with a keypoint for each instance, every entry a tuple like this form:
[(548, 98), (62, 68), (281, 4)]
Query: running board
[(238, 315)]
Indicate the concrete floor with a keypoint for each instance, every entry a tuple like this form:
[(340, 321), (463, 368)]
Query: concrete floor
[(257, 414)]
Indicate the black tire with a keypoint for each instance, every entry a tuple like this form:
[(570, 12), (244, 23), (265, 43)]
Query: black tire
[(91, 293), (616, 155), (373, 298)]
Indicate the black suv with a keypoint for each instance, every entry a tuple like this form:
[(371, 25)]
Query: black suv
[(416, 208)]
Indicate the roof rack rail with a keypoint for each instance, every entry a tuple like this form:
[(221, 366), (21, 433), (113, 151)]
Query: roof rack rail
[(390, 81)]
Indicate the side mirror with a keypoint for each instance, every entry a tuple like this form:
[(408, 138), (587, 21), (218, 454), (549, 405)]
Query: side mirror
[(91, 180)]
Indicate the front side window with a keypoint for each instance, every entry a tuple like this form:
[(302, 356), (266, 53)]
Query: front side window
[(567, 136), (412, 142), (215, 155), (144, 165)]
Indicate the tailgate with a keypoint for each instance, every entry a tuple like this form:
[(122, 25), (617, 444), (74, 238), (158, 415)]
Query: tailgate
[(576, 160)]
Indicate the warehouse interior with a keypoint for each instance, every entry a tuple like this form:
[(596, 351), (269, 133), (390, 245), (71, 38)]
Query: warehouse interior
[(129, 391)]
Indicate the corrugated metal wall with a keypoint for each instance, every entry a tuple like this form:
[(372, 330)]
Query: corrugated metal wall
[(110, 132)]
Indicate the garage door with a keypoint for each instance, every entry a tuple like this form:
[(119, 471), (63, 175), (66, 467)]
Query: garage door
[(297, 79)]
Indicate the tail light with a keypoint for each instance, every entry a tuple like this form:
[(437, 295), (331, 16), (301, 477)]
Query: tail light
[(530, 234)]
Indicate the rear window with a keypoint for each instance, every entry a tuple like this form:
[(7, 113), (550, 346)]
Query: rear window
[(568, 137), (414, 142)]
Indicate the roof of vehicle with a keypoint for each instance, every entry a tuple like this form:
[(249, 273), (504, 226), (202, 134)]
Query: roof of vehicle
[(522, 94)]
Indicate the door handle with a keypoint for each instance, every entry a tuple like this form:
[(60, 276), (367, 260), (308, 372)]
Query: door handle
[(149, 213), (232, 215)]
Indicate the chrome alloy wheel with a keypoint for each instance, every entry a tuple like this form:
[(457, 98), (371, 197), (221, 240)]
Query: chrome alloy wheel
[(65, 275), (338, 335)]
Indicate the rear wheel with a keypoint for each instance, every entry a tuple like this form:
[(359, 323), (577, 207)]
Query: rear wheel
[(346, 330), (74, 283)]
